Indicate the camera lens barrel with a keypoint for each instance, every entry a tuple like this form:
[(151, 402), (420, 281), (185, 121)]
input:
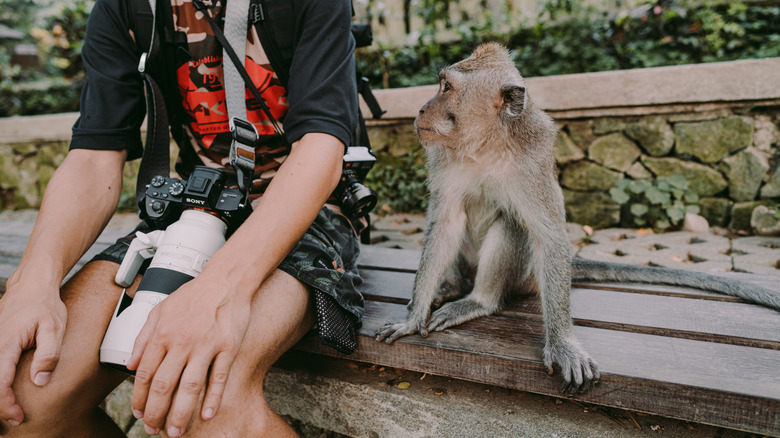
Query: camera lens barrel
[(181, 253)]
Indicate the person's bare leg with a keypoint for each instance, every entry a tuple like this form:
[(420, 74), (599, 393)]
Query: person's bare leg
[(68, 405), (281, 314)]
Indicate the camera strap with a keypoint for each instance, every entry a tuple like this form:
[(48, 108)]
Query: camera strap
[(156, 155), (245, 137)]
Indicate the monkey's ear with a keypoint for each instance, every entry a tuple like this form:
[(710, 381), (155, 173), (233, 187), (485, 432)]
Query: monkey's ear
[(513, 100)]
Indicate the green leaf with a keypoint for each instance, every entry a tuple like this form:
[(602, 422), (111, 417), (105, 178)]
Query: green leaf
[(691, 197), (619, 195), (662, 224), (695, 209), (639, 209), (676, 214), (640, 186), (678, 181), (656, 196), (662, 184)]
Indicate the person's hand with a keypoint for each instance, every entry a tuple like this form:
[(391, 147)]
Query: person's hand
[(186, 348), (28, 318)]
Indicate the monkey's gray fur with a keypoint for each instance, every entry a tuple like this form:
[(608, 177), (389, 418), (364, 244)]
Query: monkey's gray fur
[(496, 215)]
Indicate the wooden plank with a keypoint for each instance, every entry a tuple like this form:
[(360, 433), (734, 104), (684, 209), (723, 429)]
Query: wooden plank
[(732, 323), (672, 377), (672, 313), (389, 286), (389, 259)]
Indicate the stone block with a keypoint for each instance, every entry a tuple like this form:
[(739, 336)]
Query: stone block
[(744, 170), (715, 210), (741, 213), (638, 171), (586, 175), (767, 132), (705, 181), (654, 135), (596, 209), (771, 189), (711, 141), (566, 150), (765, 221), (9, 170), (614, 151), (581, 132)]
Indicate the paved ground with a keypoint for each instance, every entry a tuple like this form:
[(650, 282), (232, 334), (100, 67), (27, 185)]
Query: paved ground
[(716, 251)]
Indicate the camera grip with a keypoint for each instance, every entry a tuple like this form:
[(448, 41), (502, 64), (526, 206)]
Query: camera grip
[(141, 248)]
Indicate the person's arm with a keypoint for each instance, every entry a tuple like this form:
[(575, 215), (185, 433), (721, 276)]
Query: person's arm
[(79, 200), (191, 339)]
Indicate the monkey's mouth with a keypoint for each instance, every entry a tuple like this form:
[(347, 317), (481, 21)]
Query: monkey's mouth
[(425, 131)]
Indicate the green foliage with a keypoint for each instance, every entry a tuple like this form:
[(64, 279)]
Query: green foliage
[(20, 14), (661, 204), (400, 182), (61, 38), (572, 38), (55, 87)]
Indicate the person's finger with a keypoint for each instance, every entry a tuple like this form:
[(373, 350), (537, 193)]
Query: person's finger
[(188, 392), (10, 411), (142, 340), (158, 390), (216, 387), (48, 343)]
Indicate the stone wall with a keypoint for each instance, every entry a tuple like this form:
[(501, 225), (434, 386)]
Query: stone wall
[(729, 157), (717, 124)]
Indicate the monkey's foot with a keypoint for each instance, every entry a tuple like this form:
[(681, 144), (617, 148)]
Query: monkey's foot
[(458, 312), (392, 331), (579, 370)]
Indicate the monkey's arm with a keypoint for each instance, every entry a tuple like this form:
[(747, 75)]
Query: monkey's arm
[(444, 235), (552, 268)]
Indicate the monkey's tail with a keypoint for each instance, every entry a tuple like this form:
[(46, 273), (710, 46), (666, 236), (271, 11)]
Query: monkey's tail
[(583, 269)]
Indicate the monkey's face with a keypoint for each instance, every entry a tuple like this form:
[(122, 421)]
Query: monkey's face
[(478, 98), (437, 120)]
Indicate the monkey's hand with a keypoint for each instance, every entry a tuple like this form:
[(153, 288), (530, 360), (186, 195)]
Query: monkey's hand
[(394, 330), (579, 370)]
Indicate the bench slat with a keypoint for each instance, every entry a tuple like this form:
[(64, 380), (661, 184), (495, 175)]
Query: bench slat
[(693, 317)]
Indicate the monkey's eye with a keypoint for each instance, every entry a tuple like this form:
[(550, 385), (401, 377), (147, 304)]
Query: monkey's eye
[(445, 86)]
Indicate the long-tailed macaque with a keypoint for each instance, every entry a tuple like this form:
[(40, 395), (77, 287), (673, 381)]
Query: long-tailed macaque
[(496, 220)]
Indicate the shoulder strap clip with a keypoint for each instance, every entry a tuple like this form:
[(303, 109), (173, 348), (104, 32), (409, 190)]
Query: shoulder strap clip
[(256, 13)]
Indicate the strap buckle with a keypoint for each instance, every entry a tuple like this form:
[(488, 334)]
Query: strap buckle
[(242, 151)]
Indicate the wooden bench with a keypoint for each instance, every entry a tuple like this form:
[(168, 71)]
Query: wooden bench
[(669, 351)]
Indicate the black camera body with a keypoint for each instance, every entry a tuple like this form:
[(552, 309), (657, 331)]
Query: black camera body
[(354, 198), (204, 190)]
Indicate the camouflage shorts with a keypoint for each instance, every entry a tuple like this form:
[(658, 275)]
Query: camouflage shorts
[(325, 259)]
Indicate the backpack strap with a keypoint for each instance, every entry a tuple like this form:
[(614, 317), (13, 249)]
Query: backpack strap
[(275, 24)]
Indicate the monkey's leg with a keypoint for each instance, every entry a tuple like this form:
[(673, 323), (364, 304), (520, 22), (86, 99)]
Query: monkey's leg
[(457, 283), (440, 251), (551, 265), (496, 270)]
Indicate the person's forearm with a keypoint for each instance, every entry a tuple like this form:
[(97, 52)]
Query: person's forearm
[(288, 207), (79, 200)]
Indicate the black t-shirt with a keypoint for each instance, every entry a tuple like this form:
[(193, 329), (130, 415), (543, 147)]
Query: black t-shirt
[(321, 93)]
